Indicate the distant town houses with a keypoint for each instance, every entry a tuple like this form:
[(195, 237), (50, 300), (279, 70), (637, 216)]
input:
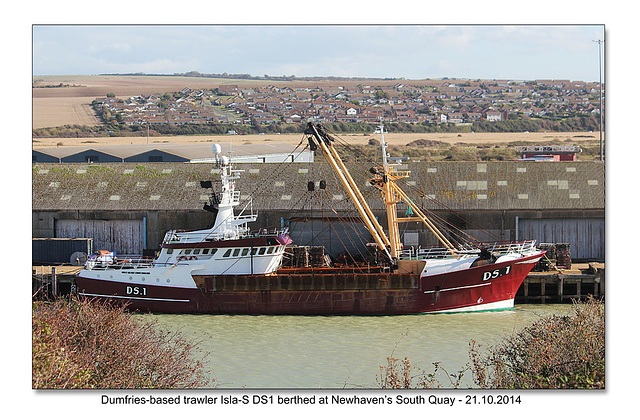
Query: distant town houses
[(424, 101)]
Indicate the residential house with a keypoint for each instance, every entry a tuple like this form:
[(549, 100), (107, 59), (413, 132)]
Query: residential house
[(493, 115), (228, 89), (473, 116), (406, 115), (455, 117)]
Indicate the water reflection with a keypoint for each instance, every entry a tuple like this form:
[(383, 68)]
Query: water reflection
[(283, 352)]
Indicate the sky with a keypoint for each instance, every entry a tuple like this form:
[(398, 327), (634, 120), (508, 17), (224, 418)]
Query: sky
[(518, 52)]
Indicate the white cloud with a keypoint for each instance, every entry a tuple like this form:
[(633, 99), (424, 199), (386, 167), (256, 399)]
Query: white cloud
[(410, 51)]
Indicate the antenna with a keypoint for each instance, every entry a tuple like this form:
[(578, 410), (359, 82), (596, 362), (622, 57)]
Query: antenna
[(385, 163)]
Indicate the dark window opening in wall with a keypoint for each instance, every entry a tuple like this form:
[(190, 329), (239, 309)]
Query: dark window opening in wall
[(93, 158), (155, 159)]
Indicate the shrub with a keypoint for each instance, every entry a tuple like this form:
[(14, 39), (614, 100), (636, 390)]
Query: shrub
[(401, 374), (554, 352), (85, 344)]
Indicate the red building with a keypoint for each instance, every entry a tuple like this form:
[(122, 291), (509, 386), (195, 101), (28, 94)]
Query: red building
[(549, 153)]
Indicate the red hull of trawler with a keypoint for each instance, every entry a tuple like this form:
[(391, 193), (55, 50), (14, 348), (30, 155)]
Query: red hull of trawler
[(326, 292)]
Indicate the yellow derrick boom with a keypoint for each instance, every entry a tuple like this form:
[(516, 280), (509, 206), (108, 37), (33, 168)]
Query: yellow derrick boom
[(385, 180)]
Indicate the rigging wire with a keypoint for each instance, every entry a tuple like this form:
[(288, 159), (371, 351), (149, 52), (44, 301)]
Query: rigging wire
[(452, 229), (323, 202), (353, 227), (445, 222), (279, 168), (250, 196)]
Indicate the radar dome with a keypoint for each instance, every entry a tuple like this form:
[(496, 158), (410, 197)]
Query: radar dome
[(217, 149)]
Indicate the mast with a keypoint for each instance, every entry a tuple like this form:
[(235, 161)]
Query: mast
[(226, 222), (385, 180), (390, 199)]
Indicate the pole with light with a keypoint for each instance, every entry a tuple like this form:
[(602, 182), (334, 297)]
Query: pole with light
[(600, 42)]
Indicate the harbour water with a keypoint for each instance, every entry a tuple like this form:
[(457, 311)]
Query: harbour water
[(340, 352)]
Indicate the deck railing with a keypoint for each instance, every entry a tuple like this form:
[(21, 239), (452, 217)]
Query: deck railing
[(496, 248), (176, 237)]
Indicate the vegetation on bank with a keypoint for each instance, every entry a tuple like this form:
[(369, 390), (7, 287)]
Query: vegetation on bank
[(434, 151), (553, 352), (421, 149), (124, 130), (80, 344), (512, 125)]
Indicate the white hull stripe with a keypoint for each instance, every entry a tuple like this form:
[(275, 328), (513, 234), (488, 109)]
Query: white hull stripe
[(458, 288), (531, 261), (134, 297), (495, 306)]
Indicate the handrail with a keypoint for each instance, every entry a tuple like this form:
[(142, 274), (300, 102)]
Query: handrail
[(496, 248), (187, 237)]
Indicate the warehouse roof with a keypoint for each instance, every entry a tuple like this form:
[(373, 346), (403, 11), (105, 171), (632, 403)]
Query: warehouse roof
[(455, 185), (141, 152)]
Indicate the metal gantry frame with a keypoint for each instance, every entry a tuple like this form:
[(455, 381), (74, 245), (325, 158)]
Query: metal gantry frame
[(384, 180)]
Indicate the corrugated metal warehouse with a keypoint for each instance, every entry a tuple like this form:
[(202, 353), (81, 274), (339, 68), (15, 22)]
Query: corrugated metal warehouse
[(127, 207), (168, 152)]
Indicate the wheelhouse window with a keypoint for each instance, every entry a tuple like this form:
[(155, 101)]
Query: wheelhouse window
[(227, 253)]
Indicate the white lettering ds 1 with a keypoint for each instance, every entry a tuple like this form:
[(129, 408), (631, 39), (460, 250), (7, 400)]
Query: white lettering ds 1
[(136, 291), (488, 275)]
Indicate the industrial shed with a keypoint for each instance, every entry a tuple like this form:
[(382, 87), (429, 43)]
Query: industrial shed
[(78, 154), (168, 152), (128, 207)]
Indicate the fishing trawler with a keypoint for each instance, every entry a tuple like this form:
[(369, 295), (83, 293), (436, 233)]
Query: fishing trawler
[(231, 269)]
